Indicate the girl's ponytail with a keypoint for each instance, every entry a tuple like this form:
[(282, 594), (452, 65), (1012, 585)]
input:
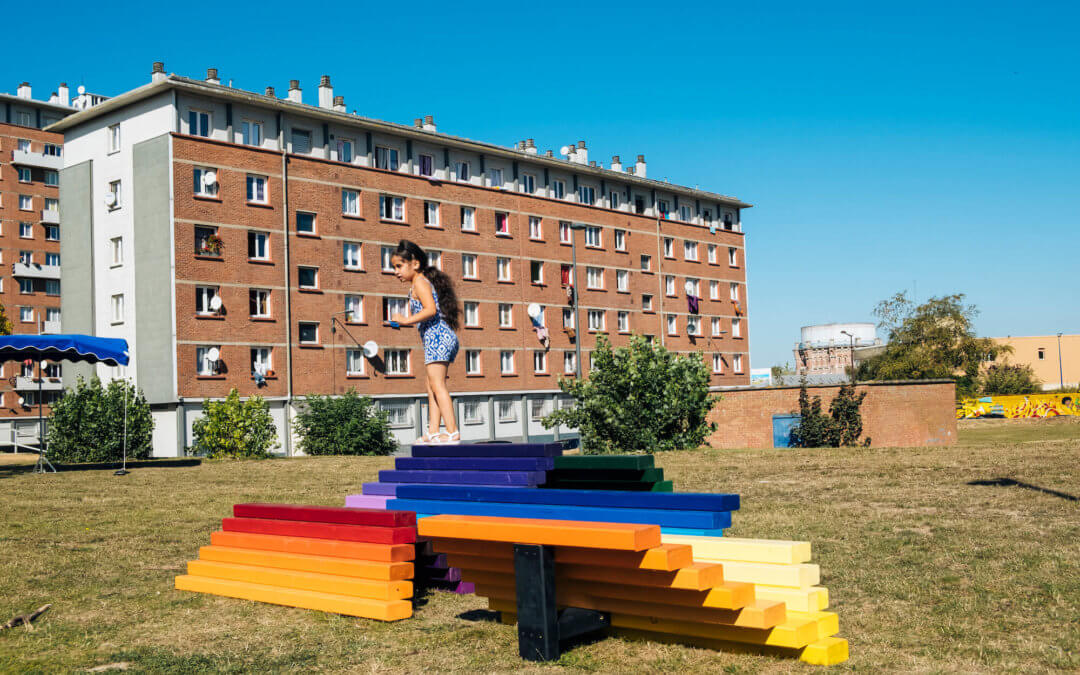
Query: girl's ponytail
[(440, 282)]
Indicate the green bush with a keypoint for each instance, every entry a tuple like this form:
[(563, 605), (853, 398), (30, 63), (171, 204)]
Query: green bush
[(343, 425), (840, 428), (235, 429), (638, 398), (87, 423), (1007, 379)]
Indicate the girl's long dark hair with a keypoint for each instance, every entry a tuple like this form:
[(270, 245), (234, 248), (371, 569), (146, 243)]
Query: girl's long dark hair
[(444, 288)]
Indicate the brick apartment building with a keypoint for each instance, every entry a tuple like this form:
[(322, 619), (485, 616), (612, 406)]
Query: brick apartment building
[(205, 221)]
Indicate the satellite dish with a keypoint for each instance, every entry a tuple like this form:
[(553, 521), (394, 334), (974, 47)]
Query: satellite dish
[(534, 310), (81, 89), (213, 354), (209, 178), (215, 303), (564, 151), (371, 348), (110, 199), (689, 288)]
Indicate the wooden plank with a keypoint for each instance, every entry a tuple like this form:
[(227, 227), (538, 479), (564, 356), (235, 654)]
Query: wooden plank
[(365, 569), (603, 462), (324, 547), (516, 478), (474, 463), (828, 623), (292, 528), (705, 520), (326, 514), (308, 581), (811, 599), (382, 610), (619, 536), (366, 501), (661, 486), (799, 575), (683, 501), (694, 577), (488, 450), (827, 652), (605, 475), (790, 634), (663, 557), (744, 550)]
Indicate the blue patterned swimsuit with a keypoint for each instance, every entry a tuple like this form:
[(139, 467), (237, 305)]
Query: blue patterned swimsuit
[(440, 342)]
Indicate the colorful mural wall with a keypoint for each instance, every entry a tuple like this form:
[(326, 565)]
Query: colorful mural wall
[(1020, 406)]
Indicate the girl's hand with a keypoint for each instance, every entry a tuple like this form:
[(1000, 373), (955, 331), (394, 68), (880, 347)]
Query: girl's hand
[(399, 318)]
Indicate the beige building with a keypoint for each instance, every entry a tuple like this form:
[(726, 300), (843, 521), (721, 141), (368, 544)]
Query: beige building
[(1054, 358)]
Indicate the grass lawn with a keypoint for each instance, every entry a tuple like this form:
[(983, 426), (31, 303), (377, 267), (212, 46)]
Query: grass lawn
[(927, 571)]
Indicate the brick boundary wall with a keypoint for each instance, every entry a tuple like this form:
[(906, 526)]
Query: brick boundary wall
[(895, 414)]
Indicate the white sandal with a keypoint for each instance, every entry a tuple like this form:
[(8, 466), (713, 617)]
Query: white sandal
[(428, 438), (450, 439)]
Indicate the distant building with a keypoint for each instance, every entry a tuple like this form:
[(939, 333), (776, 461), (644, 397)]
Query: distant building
[(831, 348), (1055, 360)]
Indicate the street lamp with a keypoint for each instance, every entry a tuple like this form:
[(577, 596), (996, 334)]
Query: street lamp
[(577, 324), (1061, 373), (851, 373)]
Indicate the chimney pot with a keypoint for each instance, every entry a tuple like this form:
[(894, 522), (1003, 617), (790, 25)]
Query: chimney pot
[(326, 92), (339, 103), (549, 153), (295, 95), (269, 91), (294, 84), (530, 143), (157, 72), (581, 144), (615, 159), (418, 123), (429, 123), (24, 90), (641, 158), (324, 81), (211, 75)]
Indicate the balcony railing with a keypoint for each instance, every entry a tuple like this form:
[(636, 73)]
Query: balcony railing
[(31, 383), (51, 327), (35, 271), (50, 216), (37, 159)]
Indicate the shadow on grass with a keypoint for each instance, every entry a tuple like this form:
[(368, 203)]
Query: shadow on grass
[(1009, 482), (486, 615), (13, 470)]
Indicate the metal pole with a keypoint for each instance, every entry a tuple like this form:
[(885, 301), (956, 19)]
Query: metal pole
[(577, 300), (1061, 373)]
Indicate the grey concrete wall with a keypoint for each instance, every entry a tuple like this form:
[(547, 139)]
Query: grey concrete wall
[(153, 260), (77, 251)]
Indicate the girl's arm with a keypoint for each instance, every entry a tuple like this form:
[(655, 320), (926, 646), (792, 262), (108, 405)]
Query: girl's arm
[(422, 291)]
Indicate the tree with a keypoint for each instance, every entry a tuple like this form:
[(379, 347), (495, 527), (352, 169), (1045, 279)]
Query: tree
[(343, 425), (1006, 379), (87, 423), (638, 398), (5, 322), (840, 428), (933, 340), (235, 428), (777, 372)]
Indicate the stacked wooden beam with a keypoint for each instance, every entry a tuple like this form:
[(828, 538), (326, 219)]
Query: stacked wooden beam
[(348, 561), (607, 472)]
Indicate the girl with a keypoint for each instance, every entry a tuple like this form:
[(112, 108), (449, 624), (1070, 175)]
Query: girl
[(433, 308)]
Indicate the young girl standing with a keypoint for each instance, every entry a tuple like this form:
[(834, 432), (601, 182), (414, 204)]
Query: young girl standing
[(434, 309)]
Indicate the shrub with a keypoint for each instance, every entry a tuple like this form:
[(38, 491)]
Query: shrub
[(841, 427), (638, 398), (87, 423), (1006, 379), (343, 425), (235, 429)]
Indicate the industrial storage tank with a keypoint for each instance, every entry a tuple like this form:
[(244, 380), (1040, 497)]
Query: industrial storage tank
[(826, 334)]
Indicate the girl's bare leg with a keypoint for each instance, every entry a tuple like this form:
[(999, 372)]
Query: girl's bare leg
[(436, 378), (433, 410)]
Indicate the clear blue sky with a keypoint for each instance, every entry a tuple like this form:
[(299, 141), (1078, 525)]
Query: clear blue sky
[(931, 143)]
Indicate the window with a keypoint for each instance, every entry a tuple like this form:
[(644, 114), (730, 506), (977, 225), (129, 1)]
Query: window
[(26, 202), (669, 285), (669, 247), (622, 281), (198, 123), (717, 364), (351, 257), (733, 257), (714, 290), (620, 240), (251, 132), (301, 141), (350, 202), (26, 314), (386, 253), (308, 332), (468, 266), (586, 194), (536, 272), (528, 183), (52, 259), (463, 173), (734, 291), (693, 325), (52, 233), (728, 222), (305, 223), (685, 214), (468, 219), (256, 189), (624, 322), (664, 207), (472, 412), (594, 277), (344, 150), (118, 308), (258, 246), (431, 214), (24, 145), (505, 410), (204, 296), (568, 318), (354, 309), (596, 319), (558, 189), (472, 361), (52, 178), (260, 361), (26, 230), (24, 174), (693, 287), (392, 306), (434, 258), (535, 228), (259, 303), (207, 241), (1042, 354), (566, 274), (52, 370), (495, 178), (564, 232), (307, 277), (51, 314), (399, 413), (506, 362), (736, 328), (386, 158), (690, 250), (736, 363), (569, 362), (472, 314), (716, 327), (646, 303), (117, 246), (502, 266), (502, 223), (204, 366), (672, 324), (427, 165), (113, 134), (26, 257), (646, 263), (506, 315), (711, 250), (391, 208), (613, 199), (354, 362), (539, 361), (24, 119), (592, 237)]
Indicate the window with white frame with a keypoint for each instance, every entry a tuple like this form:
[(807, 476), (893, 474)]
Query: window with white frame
[(535, 228), (693, 325), (397, 361), (690, 250), (256, 189), (502, 223), (717, 364), (26, 314), (506, 410), (52, 286), (536, 272), (198, 123), (495, 177), (564, 232), (736, 363), (117, 308), (52, 178), (386, 158), (664, 207), (622, 281), (113, 136), (426, 165), (539, 361), (52, 233), (431, 214), (711, 250), (468, 266), (350, 202), (669, 247), (464, 173), (258, 245), (354, 309), (624, 322), (203, 365), (472, 314), (24, 174), (714, 290), (305, 222), (114, 190), (669, 284), (685, 213), (386, 254), (693, 287), (51, 314), (23, 145), (307, 277), (672, 324), (592, 237), (613, 199), (204, 296), (586, 194), (733, 257), (646, 263), (117, 246), (569, 362), (308, 332), (261, 362), (351, 255), (528, 183), (620, 240), (506, 315), (716, 326), (391, 207), (539, 408), (568, 318), (558, 189), (736, 327), (26, 257), (399, 414), (594, 277), (646, 303), (354, 362), (259, 303), (251, 132), (734, 291), (506, 362), (301, 141), (468, 219), (344, 150), (472, 362), (205, 180), (26, 202), (596, 320), (434, 258), (472, 411)]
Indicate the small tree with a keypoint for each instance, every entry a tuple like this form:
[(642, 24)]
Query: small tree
[(343, 425), (840, 428), (235, 429), (1006, 379), (87, 423), (5, 322), (638, 398)]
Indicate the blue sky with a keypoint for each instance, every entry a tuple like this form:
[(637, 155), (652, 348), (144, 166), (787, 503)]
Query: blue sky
[(929, 144)]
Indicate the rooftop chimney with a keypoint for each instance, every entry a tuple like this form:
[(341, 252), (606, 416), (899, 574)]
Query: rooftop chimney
[(64, 96), (24, 90), (549, 153), (211, 76), (339, 104), (581, 155), (616, 165), (418, 123), (54, 98), (639, 167), (269, 91), (592, 162), (157, 73), (530, 146), (295, 95), (326, 92), (429, 123)]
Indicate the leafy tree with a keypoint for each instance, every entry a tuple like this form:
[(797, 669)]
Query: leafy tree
[(5, 322), (840, 428), (87, 423), (234, 428), (638, 398), (933, 340), (1005, 379), (343, 425)]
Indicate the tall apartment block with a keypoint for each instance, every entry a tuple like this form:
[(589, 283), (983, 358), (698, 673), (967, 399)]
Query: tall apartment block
[(242, 240), (30, 164)]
